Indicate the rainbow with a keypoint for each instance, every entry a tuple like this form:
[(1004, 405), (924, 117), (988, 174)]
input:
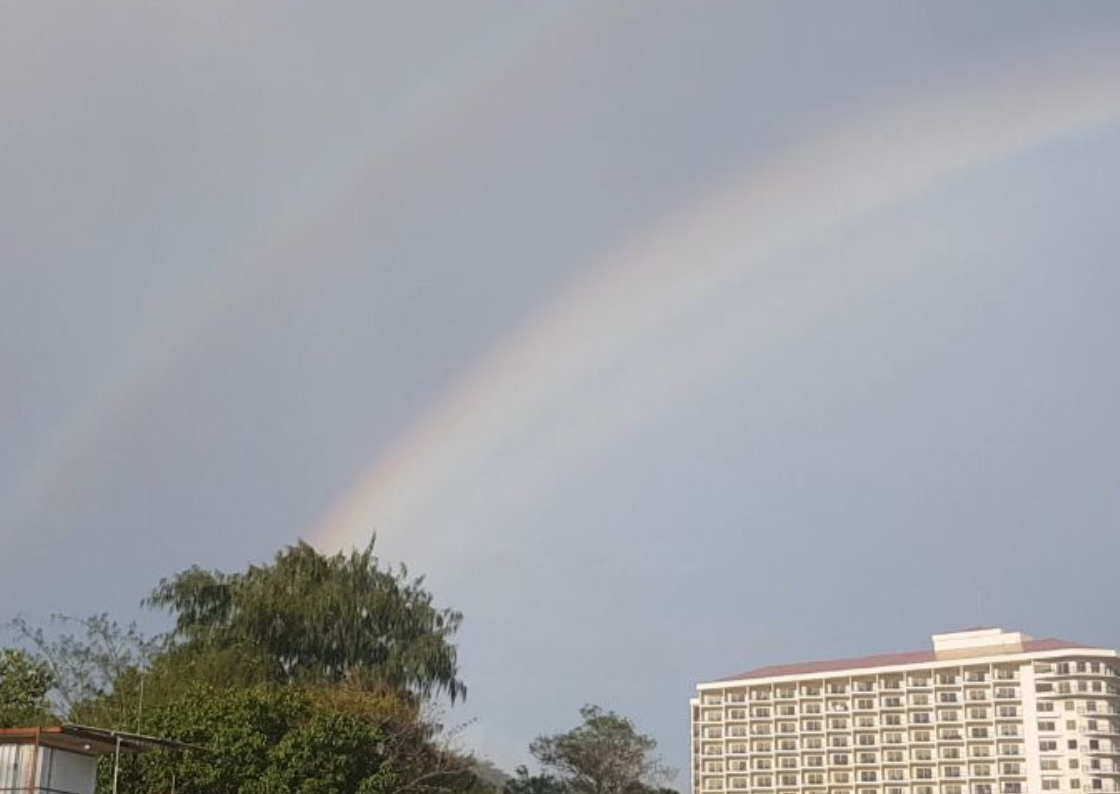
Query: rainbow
[(264, 250), (577, 374)]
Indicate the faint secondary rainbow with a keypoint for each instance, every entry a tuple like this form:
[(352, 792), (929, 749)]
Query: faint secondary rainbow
[(327, 190), (735, 239)]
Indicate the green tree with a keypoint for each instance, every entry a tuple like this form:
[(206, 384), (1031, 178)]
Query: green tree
[(322, 618), (285, 739), (24, 683), (524, 783), (95, 666), (604, 755)]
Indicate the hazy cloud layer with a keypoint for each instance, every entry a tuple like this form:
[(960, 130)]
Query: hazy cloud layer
[(669, 341)]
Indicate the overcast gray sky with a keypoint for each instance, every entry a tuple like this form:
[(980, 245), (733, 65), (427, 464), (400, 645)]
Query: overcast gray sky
[(667, 339)]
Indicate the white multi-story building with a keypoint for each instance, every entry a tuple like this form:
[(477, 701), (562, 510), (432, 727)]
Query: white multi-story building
[(984, 712)]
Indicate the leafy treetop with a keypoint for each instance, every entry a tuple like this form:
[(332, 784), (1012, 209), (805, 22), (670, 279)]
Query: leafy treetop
[(322, 618)]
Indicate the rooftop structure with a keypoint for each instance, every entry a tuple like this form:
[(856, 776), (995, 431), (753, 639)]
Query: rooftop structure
[(63, 759)]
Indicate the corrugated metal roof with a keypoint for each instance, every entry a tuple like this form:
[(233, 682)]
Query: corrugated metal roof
[(88, 741)]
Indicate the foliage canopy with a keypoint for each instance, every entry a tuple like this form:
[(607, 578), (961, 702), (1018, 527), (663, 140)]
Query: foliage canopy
[(322, 618), (604, 755), (24, 682)]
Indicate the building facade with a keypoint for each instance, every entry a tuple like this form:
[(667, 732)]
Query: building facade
[(984, 712)]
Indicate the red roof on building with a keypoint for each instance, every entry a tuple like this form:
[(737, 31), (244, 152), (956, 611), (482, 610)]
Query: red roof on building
[(888, 660)]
